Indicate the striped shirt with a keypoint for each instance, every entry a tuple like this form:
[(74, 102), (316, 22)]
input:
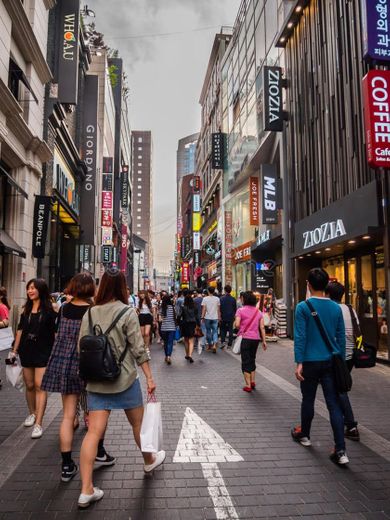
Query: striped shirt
[(168, 321), (349, 335)]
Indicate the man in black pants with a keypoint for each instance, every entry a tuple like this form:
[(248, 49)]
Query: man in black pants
[(228, 312)]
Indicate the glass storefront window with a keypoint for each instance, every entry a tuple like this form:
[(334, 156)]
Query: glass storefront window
[(352, 283), (335, 269), (367, 294), (381, 296)]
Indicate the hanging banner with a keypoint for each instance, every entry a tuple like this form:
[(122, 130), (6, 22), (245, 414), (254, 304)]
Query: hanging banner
[(124, 189), (196, 222), (107, 256), (107, 236), (106, 218), (273, 99), (196, 259), (107, 182), (108, 164), (376, 29), (68, 58), (254, 201), (217, 151), (376, 96), (196, 185), (196, 203), (228, 247), (40, 225), (185, 272), (123, 258), (196, 240), (89, 152), (106, 199), (269, 194)]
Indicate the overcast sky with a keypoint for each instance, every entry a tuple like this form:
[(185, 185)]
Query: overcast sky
[(165, 78)]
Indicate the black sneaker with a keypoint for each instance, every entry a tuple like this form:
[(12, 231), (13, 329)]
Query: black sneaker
[(352, 434), (339, 457), (105, 460), (68, 472), (296, 434)]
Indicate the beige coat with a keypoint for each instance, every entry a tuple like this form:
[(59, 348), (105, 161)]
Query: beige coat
[(126, 330)]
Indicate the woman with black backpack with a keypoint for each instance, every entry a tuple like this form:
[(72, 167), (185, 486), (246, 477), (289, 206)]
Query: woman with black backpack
[(111, 323), (189, 320)]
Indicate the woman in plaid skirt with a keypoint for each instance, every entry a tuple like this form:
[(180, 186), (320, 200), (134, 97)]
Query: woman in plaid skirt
[(62, 373)]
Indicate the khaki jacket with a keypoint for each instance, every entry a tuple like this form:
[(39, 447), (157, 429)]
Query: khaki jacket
[(126, 330)]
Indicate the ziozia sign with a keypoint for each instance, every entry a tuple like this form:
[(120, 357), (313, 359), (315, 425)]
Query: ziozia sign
[(273, 99), (327, 231)]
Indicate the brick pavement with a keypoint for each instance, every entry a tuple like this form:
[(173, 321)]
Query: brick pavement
[(278, 479)]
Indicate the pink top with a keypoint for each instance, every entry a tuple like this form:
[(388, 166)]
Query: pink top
[(246, 314), (4, 312)]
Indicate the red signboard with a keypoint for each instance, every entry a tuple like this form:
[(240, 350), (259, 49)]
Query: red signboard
[(185, 272), (123, 260), (254, 201), (196, 184), (243, 252), (376, 95), (106, 218), (106, 199), (178, 244)]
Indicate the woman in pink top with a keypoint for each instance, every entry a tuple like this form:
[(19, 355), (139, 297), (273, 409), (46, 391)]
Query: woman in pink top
[(4, 308), (250, 322)]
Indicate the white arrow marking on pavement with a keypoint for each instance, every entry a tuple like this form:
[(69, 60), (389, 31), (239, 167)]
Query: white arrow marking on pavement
[(198, 442)]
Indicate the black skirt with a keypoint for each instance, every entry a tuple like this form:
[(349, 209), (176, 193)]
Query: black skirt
[(145, 319), (187, 329)]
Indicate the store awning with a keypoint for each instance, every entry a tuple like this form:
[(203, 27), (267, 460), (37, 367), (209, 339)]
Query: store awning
[(12, 182), (9, 246)]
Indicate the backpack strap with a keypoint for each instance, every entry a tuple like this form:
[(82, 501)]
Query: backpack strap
[(321, 327), (356, 328)]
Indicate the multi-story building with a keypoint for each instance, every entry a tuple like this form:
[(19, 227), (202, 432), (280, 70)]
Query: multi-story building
[(142, 195), (209, 164), (139, 263), (24, 73)]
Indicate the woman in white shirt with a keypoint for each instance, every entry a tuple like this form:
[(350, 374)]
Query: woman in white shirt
[(145, 315)]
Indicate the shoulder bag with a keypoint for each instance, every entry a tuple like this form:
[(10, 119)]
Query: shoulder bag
[(97, 359), (341, 374), (364, 355), (237, 342)]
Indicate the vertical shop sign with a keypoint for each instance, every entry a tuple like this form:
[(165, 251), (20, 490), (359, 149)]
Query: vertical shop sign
[(273, 99), (196, 222), (124, 188), (269, 194), (196, 241), (254, 201), (376, 29), (107, 255), (89, 153), (41, 222), (106, 199), (228, 247), (123, 260), (106, 218), (217, 151), (196, 259), (87, 257), (178, 244), (185, 273), (196, 203), (196, 184), (376, 96), (108, 164), (68, 59), (107, 182)]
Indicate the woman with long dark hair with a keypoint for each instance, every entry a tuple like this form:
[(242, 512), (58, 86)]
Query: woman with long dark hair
[(168, 326), (124, 393), (4, 308), (34, 342), (189, 319), (145, 315)]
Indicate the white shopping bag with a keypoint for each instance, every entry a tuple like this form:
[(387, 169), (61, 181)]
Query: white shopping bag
[(237, 345), (151, 429), (6, 338), (14, 374)]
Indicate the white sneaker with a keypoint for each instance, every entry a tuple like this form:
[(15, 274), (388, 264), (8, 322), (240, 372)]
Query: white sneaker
[(30, 420), (86, 500), (160, 457), (37, 432)]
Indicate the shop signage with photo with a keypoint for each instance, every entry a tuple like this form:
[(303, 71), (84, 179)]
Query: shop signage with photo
[(106, 199), (64, 183), (273, 99), (254, 201), (376, 95), (217, 151), (269, 194), (41, 222), (376, 29), (106, 217), (107, 236), (68, 59)]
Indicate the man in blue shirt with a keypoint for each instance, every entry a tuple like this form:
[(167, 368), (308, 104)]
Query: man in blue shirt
[(314, 361), (228, 313)]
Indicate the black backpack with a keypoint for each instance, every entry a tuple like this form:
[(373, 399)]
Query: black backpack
[(97, 359)]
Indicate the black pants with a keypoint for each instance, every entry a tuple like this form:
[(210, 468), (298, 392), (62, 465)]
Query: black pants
[(248, 354), (227, 327)]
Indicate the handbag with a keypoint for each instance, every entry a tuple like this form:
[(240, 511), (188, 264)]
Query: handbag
[(364, 355), (237, 342), (198, 332), (151, 428), (341, 374), (97, 359)]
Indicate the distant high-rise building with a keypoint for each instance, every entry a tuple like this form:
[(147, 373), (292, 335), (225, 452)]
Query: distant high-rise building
[(142, 177), (186, 156)]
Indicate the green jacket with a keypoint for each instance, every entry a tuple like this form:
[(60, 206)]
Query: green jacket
[(126, 330)]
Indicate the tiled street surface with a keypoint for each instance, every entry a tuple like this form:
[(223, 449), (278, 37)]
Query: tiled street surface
[(248, 466)]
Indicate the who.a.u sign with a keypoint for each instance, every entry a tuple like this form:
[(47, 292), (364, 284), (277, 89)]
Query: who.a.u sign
[(376, 95)]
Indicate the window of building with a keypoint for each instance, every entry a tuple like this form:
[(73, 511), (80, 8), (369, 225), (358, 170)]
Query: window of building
[(140, 157), (139, 165), (138, 225), (139, 201), (140, 139), (139, 187), (139, 210), (139, 172), (139, 179), (140, 148), (139, 194), (139, 217), (138, 232)]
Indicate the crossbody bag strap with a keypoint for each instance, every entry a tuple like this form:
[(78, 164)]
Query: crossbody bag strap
[(250, 322), (321, 327), (356, 328)]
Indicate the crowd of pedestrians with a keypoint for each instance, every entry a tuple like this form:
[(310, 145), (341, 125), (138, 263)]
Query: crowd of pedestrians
[(49, 335)]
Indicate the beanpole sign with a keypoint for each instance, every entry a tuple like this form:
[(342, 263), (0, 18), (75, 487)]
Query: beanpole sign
[(41, 221), (376, 95)]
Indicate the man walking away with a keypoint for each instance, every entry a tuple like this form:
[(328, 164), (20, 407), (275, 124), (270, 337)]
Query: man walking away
[(200, 343), (211, 314), (314, 360), (335, 291), (228, 312)]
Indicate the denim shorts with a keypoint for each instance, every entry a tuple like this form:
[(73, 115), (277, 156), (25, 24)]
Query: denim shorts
[(126, 400)]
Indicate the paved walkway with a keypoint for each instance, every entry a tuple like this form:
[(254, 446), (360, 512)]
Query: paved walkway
[(276, 478)]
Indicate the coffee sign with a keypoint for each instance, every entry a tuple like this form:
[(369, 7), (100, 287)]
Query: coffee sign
[(273, 99), (376, 95)]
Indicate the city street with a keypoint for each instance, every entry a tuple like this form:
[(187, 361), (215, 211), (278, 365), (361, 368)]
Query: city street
[(240, 464)]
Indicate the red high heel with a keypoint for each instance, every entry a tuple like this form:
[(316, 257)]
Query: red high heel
[(253, 385), (247, 389)]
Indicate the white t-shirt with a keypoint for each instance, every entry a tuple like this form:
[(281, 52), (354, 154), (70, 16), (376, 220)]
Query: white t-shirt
[(212, 304), (349, 337)]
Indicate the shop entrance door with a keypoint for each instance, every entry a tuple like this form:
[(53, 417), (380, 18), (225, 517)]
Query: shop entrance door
[(367, 299)]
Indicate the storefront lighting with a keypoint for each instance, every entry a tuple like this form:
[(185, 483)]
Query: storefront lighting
[(366, 237), (300, 257), (283, 39), (298, 9), (351, 241), (318, 252), (290, 24), (309, 254), (328, 249)]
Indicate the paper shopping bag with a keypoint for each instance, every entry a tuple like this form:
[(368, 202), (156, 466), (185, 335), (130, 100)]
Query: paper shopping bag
[(14, 375), (151, 429)]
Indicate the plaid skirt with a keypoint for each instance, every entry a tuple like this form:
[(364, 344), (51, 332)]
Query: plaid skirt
[(62, 372)]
